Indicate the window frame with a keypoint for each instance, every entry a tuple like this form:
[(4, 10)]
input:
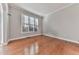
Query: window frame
[(22, 17)]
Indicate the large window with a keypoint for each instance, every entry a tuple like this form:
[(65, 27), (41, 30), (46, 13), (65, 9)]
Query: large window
[(29, 24)]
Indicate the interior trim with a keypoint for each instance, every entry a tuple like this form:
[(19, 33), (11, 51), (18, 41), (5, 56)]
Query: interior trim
[(61, 38), (23, 37)]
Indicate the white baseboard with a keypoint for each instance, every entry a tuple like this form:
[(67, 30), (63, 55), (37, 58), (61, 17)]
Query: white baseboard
[(61, 38), (23, 37), (3, 44)]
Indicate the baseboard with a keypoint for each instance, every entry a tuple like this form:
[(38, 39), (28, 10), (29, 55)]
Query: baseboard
[(22, 37), (3, 44), (61, 38)]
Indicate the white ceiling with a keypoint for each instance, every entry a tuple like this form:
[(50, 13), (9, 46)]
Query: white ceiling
[(42, 8)]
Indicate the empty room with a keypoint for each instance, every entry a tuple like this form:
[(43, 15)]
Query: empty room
[(39, 28)]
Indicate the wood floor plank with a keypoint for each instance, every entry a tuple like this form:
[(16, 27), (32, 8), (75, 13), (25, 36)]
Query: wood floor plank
[(41, 45)]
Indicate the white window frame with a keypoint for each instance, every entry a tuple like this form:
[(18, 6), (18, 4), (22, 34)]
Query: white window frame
[(29, 24)]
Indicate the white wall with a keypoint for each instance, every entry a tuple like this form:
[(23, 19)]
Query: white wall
[(64, 23), (15, 24), (3, 23)]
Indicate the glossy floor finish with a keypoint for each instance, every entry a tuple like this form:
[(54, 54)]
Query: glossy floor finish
[(40, 45)]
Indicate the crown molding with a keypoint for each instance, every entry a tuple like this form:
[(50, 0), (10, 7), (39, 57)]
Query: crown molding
[(57, 10)]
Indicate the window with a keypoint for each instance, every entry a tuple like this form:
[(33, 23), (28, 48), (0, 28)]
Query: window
[(29, 24), (25, 26)]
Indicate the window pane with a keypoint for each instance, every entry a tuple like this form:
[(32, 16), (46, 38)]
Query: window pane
[(36, 21), (31, 26), (25, 19), (25, 25), (36, 24), (35, 28), (32, 20), (25, 29)]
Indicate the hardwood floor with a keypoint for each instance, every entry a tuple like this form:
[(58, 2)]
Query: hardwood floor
[(41, 45)]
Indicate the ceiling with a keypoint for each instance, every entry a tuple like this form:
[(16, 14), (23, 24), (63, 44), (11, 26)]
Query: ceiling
[(42, 8)]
